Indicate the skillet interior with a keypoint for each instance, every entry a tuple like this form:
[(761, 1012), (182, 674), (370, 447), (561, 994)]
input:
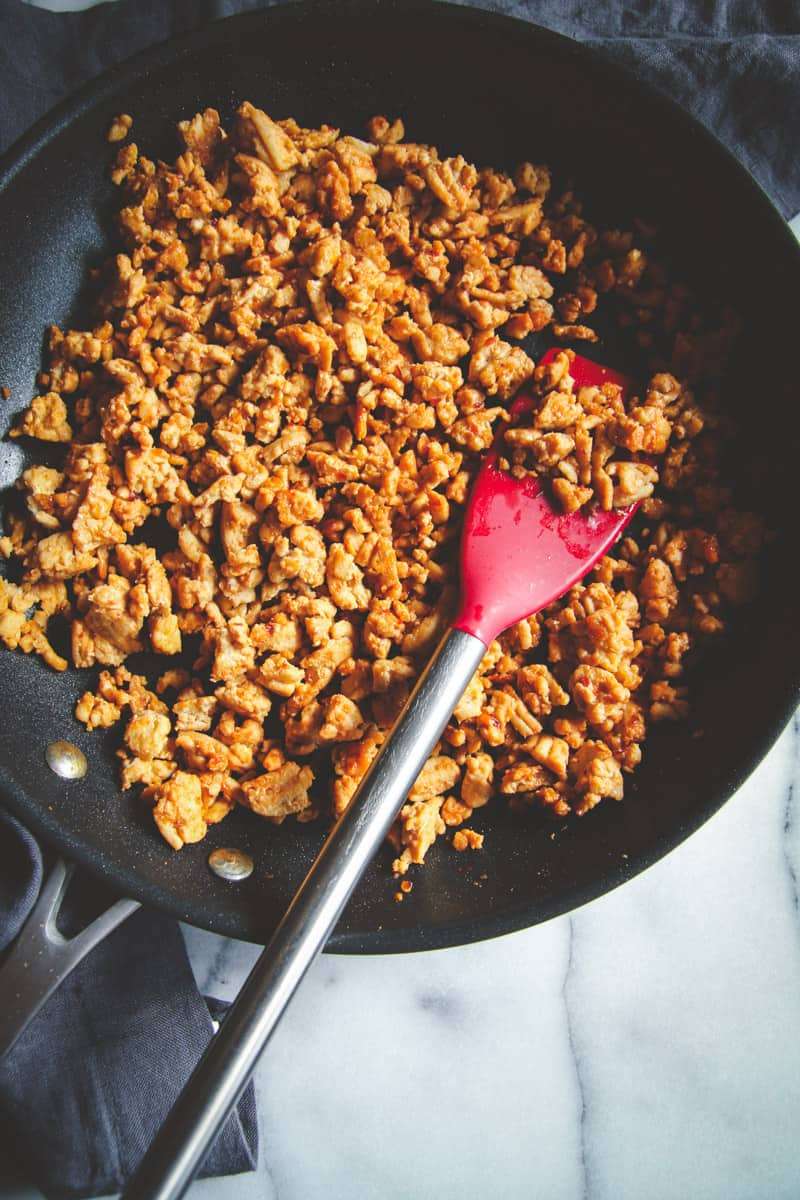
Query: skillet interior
[(498, 91)]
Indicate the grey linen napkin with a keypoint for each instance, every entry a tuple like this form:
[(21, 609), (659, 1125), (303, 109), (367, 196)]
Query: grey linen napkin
[(86, 1087)]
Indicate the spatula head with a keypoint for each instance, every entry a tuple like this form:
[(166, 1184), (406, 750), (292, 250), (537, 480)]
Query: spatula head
[(518, 552)]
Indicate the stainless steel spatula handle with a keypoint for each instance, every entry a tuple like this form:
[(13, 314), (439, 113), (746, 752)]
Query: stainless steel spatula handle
[(222, 1073)]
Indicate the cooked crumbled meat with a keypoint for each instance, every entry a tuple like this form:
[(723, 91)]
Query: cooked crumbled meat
[(596, 773), (476, 786), (267, 435), (438, 776), (147, 734), (119, 128), (46, 419), (97, 713), (583, 333), (574, 435), (498, 368), (178, 810), (467, 839), (279, 793), (419, 825)]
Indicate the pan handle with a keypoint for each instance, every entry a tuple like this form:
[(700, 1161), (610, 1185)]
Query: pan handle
[(41, 957)]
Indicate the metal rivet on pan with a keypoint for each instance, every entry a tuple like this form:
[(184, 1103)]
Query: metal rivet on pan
[(66, 760), (231, 865)]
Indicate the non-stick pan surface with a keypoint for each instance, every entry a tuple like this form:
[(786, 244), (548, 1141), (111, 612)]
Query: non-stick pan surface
[(499, 91)]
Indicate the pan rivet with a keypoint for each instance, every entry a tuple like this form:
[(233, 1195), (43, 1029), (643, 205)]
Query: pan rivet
[(231, 865), (66, 760)]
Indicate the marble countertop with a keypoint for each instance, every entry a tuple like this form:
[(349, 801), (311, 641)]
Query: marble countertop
[(647, 1045)]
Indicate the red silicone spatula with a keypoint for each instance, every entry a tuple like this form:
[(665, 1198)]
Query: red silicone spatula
[(518, 554)]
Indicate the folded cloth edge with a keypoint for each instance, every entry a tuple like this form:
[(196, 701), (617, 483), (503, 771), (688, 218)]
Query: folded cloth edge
[(90, 1081)]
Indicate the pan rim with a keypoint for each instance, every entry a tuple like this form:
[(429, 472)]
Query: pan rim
[(524, 914)]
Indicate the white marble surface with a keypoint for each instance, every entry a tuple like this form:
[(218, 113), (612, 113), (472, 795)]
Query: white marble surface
[(648, 1046)]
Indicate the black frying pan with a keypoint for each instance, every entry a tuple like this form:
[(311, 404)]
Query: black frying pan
[(499, 91)]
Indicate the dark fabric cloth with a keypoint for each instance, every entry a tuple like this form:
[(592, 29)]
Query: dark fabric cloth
[(20, 876), (86, 1087), (733, 63), (84, 1090)]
